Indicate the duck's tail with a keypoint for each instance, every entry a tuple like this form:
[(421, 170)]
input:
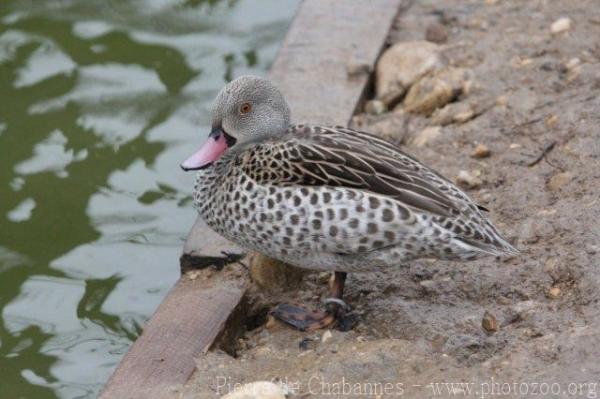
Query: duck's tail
[(491, 243)]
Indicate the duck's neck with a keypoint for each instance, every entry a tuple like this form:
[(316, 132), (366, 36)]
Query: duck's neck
[(210, 181)]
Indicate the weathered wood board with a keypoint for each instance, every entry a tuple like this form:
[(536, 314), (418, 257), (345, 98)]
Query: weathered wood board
[(163, 357), (203, 247), (325, 41)]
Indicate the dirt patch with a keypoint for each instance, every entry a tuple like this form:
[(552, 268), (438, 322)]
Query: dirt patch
[(421, 325)]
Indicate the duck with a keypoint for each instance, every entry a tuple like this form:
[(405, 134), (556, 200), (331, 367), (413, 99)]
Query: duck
[(326, 198)]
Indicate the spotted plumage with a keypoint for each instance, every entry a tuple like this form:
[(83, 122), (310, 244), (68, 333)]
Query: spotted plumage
[(332, 198), (326, 198)]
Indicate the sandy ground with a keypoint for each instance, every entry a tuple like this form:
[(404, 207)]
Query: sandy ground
[(420, 326)]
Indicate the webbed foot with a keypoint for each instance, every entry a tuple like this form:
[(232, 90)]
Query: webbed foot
[(336, 312)]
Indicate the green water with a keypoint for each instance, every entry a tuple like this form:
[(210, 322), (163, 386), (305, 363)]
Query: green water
[(100, 100)]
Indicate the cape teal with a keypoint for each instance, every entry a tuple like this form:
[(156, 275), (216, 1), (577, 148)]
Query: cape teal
[(326, 198)]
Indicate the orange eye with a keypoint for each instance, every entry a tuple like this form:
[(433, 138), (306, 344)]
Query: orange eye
[(245, 108)]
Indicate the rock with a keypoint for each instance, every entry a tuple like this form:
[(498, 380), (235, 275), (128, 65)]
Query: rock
[(592, 249), (193, 275), (326, 336), (478, 23), (257, 390), (551, 121), (375, 107), (553, 292), (445, 116), (427, 95), (464, 116), (436, 33), (561, 25), (519, 62), (559, 180), (433, 92), (324, 277), (426, 135), (572, 63), (271, 323), (502, 101), (486, 197), (453, 113), (401, 66), (529, 232), (480, 151), (468, 180), (391, 128), (504, 300), (428, 284), (570, 69), (460, 79), (273, 275), (573, 69), (489, 322), (357, 68), (547, 212)]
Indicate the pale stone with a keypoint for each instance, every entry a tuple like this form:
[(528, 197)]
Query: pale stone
[(467, 179), (427, 95), (559, 180), (401, 66), (553, 292), (459, 112), (481, 151), (551, 121), (357, 68), (436, 91), (375, 107), (562, 24), (573, 63), (464, 116), (426, 135), (501, 100)]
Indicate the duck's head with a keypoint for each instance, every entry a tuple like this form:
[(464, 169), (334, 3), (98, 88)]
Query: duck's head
[(247, 110)]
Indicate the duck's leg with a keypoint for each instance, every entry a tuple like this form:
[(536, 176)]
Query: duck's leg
[(310, 320)]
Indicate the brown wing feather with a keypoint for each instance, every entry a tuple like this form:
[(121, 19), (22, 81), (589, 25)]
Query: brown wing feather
[(344, 157)]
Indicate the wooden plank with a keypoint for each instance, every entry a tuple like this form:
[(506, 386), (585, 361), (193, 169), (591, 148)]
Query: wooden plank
[(185, 325), (203, 247), (324, 40)]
